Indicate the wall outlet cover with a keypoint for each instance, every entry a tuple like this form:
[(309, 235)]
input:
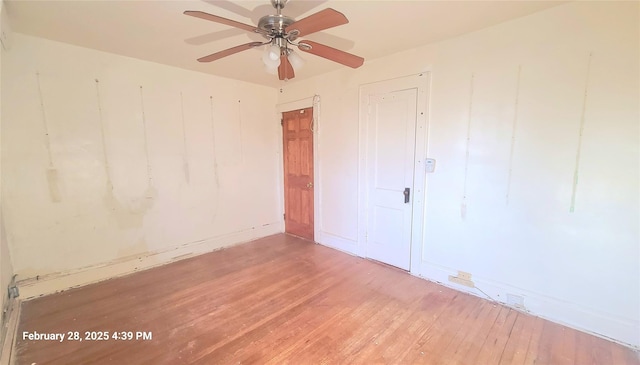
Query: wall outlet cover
[(515, 300)]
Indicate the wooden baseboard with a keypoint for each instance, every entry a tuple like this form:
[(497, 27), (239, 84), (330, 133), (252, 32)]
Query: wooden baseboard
[(11, 329)]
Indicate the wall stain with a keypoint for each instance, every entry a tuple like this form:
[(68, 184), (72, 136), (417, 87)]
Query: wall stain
[(130, 214), (52, 181), (137, 248), (576, 171)]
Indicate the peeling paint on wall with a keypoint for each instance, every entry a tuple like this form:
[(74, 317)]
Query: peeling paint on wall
[(51, 172), (146, 146), (103, 138)]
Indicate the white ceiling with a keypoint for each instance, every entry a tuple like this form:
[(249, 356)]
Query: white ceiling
[(157, 30)]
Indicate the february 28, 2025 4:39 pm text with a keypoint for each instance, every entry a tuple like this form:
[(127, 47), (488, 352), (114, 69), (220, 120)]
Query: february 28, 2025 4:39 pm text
[(89, 336)]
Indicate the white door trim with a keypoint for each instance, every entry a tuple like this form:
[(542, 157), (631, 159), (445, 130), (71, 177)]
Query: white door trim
[(310, 102), (420, 82)]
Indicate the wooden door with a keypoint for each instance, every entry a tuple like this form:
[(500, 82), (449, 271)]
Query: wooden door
[(390, 159), (297, 132)]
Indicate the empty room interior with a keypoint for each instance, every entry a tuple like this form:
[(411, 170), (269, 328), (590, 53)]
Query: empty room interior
[(224, 182)]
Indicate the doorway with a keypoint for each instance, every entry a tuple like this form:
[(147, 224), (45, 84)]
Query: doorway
[(297, 142), (393, 150)]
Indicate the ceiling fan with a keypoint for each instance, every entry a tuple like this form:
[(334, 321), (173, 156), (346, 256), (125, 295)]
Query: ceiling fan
[(281, 31)]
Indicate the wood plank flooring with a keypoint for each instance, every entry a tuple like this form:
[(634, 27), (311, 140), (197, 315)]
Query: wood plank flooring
[(283, 300)]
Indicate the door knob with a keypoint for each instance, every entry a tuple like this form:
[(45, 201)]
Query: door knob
[(310, 185)]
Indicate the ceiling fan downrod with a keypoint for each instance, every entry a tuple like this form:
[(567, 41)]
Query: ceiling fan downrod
[(279, 5)]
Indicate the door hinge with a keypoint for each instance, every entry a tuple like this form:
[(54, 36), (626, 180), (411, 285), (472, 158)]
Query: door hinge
[(14, 292), (284, 216), (282, 122)]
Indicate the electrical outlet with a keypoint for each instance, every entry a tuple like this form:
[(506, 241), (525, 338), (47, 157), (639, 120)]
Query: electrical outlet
[(461, 281), (515, 300)]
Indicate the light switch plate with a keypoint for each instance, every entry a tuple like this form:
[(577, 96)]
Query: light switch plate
[(430, 164)]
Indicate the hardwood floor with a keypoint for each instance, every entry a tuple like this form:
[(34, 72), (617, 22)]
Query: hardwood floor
[(283, 300)]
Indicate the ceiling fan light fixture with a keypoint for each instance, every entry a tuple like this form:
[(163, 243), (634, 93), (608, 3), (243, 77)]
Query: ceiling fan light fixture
[(268, 61), (274, 52), (296, 61)]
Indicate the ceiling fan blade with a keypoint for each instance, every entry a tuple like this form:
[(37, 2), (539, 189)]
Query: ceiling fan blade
[(297, 8), (229, 52), (332, 54), (285, 70), (324, 19), (213, 36), (221, 20)]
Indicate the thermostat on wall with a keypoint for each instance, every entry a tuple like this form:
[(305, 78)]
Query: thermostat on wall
[(430, 164)]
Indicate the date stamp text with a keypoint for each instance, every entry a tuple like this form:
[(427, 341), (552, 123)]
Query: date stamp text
[(88, 336)]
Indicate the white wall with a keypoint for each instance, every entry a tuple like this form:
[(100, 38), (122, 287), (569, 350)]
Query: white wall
[(579, 267), (86, 194), (6, 269)]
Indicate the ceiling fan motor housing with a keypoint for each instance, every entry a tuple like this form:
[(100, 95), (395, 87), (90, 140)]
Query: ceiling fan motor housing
[(275, 24)]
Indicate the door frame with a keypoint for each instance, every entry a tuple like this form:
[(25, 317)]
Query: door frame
[(310, 102), (421, 82)]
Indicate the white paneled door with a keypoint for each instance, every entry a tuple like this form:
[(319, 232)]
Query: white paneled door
[(391, 153)]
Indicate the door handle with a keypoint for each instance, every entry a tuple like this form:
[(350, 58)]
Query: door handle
[(310, 185), (407, 194)]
